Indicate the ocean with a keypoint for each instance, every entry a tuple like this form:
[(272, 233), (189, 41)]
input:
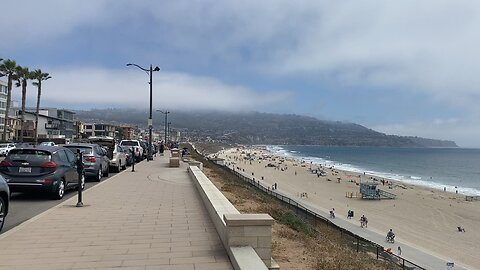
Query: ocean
[(453, 168)]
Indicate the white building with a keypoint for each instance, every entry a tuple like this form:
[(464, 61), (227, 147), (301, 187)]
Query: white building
[(3, 104)]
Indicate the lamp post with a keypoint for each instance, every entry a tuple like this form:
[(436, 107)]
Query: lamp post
[(166, 118), (169, 123), (150, 119)]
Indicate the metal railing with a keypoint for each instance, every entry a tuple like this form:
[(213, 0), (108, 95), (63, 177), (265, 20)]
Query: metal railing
[(357, 242)]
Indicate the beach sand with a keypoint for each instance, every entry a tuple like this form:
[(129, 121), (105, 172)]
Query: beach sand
[(424, 218)]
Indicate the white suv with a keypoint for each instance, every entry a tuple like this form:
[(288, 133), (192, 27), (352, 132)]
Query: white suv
[(5, 148), (135, 145)]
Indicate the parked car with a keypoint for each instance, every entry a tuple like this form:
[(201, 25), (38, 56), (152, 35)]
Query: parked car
[(136, 146), (116, 154), (5, 148), (47, 144), (95, 159), (4, 201), (43, 168)]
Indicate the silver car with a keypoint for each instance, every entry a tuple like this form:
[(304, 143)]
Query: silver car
[(94, 158), (116, 153)]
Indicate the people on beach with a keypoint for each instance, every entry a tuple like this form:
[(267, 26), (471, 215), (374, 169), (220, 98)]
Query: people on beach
[(332, 213), (363, 221), (350, 214), (460, 229), (399, 251), (390, 236)]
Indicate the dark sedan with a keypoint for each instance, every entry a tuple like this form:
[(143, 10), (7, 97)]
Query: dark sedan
[(43, 168), (94, 157), (4, 201)]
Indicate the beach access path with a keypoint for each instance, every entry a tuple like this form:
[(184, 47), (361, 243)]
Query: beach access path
[(152, 218)]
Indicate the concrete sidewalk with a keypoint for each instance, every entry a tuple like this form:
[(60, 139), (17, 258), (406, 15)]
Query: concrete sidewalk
[(149, 219)]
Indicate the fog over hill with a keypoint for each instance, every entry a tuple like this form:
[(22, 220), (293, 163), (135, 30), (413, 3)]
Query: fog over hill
[(262, 128)]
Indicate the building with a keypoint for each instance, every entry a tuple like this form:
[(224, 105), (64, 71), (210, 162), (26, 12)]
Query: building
[(128, 133), (67, 124), (99, 129), (48, 127), (3, 105)]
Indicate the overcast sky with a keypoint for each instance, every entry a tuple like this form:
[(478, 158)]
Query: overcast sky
[(400, 67)]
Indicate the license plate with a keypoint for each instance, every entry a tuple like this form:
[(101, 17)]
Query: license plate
[(24, 169)]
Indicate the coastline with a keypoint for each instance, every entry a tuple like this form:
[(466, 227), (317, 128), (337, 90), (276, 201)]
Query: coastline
[(425, 217), (404, 178)]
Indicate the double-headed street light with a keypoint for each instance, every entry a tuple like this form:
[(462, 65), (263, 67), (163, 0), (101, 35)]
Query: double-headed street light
[(150, 119), (166, 118)]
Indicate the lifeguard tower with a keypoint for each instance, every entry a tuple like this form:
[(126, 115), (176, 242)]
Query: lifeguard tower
[(370, 191)]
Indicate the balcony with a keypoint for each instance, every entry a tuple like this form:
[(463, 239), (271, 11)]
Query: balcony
[(52, 126)]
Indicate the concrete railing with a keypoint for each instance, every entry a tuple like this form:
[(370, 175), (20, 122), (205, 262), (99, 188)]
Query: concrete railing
[(246, 237)]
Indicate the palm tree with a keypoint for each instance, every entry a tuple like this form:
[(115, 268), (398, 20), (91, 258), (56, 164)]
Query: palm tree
[(23, 75), (39, 76), (8, 68)]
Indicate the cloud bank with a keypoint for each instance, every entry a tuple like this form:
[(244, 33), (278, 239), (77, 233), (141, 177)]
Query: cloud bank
[(129, 88)]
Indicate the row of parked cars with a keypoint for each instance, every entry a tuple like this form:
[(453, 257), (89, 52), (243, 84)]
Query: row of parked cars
[(53, 169)]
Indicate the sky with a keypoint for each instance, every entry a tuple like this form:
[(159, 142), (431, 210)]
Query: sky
[(399, 67)]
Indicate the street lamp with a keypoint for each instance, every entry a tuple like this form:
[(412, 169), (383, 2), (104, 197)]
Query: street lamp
[(150, 119), (166, 118), (169, 123)]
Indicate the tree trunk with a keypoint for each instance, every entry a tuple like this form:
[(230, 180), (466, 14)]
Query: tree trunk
[(24, 97), (39, 93), (9, 98)]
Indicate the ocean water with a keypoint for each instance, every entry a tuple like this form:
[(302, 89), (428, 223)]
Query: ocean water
[(453, 168)]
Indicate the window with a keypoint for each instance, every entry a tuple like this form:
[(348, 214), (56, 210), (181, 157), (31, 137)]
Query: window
[(63, 156), (71, 157)]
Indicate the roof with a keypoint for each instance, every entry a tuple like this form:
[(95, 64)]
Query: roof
[(41, 147), (80, 145), (46, 116)]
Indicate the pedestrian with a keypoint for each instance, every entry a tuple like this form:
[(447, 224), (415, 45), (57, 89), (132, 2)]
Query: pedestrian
[(399, 251)]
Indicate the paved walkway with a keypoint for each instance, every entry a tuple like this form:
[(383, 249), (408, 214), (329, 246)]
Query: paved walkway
[(149, 219)]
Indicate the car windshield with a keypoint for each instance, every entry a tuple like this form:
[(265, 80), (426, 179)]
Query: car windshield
[(84, 149), (3, 145), (129, 143), (29, 155)]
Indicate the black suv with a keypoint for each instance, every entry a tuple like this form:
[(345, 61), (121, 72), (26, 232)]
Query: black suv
[(43, 168)]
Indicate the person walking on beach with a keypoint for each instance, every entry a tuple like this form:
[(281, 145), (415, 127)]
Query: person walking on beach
[(399, 251), (363, 221), (332, 213)]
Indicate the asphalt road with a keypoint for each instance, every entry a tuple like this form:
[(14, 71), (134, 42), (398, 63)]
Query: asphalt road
[(24, 206)]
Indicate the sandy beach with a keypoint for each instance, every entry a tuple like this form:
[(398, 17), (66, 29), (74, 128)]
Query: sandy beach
[(422, 217)]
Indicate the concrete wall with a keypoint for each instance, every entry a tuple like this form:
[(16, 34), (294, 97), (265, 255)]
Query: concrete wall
[(246, 237)]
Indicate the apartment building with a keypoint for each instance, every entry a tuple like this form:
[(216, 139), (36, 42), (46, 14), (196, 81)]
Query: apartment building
[(3, 104), (99, 129)]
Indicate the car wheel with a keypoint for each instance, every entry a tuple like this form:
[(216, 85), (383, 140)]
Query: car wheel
[(3, 212), (60, 191), (106, 172)]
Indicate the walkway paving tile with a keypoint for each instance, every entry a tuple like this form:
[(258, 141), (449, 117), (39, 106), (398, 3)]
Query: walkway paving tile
[(152, 218)]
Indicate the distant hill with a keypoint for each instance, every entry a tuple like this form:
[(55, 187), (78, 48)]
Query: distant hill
[(263, 128)]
